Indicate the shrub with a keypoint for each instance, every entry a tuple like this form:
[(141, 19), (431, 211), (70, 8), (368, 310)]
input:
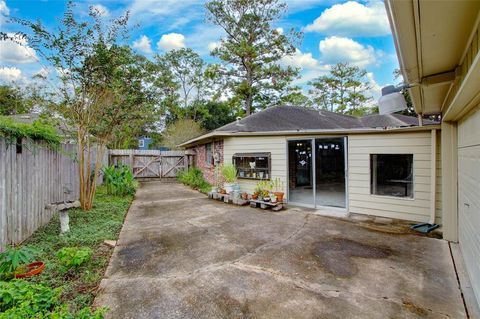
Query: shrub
[(193, 177), (73, 257), (12, 258), (229, 173), (12, 131), (119, 181), (22, 299)]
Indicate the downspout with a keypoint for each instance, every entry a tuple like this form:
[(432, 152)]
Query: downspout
[(433, 176)]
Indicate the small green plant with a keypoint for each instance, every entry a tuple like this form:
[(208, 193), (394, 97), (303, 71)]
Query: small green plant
[(73, 257), (13, 258), (229, 173), (276, 185), (193, 177), (23, 299), (119, 180)]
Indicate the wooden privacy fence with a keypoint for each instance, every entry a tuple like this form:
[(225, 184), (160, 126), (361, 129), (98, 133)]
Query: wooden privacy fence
[(150, 163), (32, 176)]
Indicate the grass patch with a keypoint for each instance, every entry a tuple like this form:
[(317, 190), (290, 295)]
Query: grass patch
[(87, 230)]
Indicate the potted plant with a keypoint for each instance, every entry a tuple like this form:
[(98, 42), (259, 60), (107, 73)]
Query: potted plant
[(277, 186), (244, 196), (273, 198), (229, 173), (265, 195)]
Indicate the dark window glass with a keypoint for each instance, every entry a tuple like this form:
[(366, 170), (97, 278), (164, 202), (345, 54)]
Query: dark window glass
[(252, 165), (391, 175), (208, 154)]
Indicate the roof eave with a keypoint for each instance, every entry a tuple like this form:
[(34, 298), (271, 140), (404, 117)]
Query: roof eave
[(215, 134)]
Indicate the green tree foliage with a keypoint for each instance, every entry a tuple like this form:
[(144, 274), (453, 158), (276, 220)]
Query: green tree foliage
[(181, 131), (12, 101), (252, 49), (343, 90), (211, 115), (101, 84)]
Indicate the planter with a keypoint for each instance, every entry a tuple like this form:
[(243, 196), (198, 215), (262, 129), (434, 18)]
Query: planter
[(279, 196), (266, 199), (244, 196), (33, 269), (228, 187), (255, 196), (214, 189)]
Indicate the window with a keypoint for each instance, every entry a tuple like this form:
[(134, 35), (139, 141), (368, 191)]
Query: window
[(252, 165), (208, 154), (391, 175)]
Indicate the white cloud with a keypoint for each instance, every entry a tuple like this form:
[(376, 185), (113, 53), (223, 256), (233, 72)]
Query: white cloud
[(213, 45), (338, 49), (375, 88), (16, 51), (101, 9), (353, 19), (4, 12), (300, 60), (279, 30), (171, 41), (143, 44), (10, 74)]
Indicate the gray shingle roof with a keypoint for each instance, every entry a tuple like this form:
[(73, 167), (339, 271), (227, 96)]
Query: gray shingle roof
[(291, 118)]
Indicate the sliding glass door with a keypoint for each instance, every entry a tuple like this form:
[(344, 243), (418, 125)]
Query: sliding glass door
[(316, 172), (330, 172), (300, 172)]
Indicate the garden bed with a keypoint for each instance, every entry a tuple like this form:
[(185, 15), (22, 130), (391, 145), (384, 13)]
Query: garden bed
[(88, 230)]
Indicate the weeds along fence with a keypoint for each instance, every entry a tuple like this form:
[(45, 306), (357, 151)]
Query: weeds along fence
[(31, 177)]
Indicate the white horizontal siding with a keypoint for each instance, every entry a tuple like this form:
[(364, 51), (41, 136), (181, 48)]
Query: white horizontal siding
[(360, 146), (276, 145)]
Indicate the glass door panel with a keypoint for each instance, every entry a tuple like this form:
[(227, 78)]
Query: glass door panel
[(330, 172), (300, 172)]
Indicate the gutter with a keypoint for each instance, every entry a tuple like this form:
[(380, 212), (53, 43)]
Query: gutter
[(433, 176)]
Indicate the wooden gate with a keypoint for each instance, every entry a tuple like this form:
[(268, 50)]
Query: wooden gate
[(150, 163)]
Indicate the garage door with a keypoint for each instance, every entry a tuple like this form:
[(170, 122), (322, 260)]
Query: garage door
[(469, 195)]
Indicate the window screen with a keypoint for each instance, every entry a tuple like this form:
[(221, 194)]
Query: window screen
[(391, 175), (208, 154), (252, 165)]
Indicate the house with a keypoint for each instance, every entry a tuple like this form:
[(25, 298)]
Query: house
[(438, 44), (377, 165), (144, 142)]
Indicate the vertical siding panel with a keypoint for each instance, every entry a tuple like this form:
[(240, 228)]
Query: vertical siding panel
[(3, 196)]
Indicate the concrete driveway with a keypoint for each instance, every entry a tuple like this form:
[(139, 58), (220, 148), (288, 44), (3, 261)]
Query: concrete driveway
[(181, 255)]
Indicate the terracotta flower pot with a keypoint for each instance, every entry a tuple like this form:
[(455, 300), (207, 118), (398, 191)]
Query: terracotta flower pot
[(255, 196), (279, 196), (33, 269)]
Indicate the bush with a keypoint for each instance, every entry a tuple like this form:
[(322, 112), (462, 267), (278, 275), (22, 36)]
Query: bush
[(119, 181), (229, 173), (22, 299), (193, 177), (36, 131), (72, 257)]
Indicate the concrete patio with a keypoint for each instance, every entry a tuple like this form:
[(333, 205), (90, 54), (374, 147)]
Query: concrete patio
[(181, 255)]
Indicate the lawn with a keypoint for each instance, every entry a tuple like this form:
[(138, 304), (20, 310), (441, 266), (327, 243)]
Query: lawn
[(87, 229)]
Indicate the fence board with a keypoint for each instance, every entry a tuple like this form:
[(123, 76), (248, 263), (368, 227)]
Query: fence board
[(29, 181)]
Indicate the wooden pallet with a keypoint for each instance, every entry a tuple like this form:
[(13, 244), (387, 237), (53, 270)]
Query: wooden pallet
[(265, 205)]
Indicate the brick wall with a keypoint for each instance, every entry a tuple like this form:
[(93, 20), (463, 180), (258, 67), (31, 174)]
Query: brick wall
[(208, 169)]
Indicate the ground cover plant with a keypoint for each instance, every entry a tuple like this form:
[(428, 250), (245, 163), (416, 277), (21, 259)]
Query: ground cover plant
[(75, 264), (193, 177)]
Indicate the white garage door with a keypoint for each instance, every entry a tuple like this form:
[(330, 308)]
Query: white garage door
[(469, 195)]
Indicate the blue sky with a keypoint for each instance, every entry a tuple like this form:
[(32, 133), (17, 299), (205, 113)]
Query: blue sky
[(334, 31)]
